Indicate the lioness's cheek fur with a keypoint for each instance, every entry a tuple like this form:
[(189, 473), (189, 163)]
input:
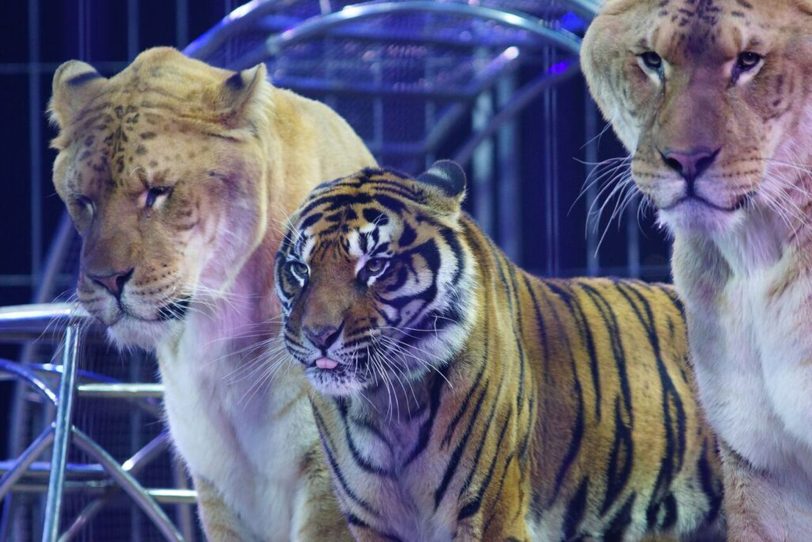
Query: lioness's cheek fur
[(179, 176)]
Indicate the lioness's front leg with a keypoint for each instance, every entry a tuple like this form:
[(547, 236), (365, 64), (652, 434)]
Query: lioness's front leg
[(220, 523), (755, 508)]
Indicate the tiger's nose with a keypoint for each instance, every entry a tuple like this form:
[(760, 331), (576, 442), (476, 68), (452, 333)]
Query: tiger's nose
[(114, 282), (322, 337), (689, 164)]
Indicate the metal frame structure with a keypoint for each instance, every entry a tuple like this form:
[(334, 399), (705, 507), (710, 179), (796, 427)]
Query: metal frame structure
[(104, 478), (489, 101)]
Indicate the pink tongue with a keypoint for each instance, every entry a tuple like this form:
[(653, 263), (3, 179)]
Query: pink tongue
[(326, 363)]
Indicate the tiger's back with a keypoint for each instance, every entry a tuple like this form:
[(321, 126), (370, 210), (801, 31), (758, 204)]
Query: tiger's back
[(564, 410)]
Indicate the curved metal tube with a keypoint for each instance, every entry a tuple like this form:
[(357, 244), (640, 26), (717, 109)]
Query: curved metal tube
[(356, 12), (245, 15), (133, 465), (317, 25), (32, 322), (20, 371), (24, 460), (129, 484)]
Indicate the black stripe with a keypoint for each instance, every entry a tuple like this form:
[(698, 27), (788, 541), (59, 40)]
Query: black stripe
[(486, 482), (621, 460), (483, 365), (711, 485), (452, 426), (575, 511), (359, 459), (435, 396), (519, 336), (586, 332), (456, 455), (673, 455), (339, 475), (540, 325), (622, 519), (499, 488), (619, 467), (352, 519), (497, 400)]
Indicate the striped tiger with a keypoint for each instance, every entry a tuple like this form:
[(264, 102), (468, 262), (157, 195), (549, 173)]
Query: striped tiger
[(460, 398)]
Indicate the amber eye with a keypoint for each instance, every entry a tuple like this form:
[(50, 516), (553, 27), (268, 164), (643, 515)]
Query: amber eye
[(154, 193), (373, 268), (747, 60), (652, 60), (298, 270)]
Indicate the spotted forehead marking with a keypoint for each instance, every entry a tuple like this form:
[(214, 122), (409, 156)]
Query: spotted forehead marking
[(692, 26), (706, 12)]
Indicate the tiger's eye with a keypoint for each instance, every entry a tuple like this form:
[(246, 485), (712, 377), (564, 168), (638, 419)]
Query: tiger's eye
[(375, 266), (298, 269)]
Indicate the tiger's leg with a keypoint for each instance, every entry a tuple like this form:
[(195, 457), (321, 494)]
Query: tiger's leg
[(220, 523), (316, 515)]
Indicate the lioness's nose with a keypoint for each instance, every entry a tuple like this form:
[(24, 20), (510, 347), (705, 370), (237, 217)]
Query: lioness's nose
[(322, 336), (689, 164), (114, 282)]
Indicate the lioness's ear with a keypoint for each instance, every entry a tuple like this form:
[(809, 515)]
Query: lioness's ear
[(75, 84), (236, 93), (447, 181)]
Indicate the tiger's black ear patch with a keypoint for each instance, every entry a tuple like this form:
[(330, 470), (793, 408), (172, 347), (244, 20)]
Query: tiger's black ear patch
[(446, 175)]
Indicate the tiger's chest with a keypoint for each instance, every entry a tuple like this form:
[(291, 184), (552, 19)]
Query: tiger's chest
[(388, 475), (753, 352)]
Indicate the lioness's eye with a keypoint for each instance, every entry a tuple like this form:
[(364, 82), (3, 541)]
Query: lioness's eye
[(373, 268), (747, 61), (154, 193), (298, 270), (652, 60), (84, 202)]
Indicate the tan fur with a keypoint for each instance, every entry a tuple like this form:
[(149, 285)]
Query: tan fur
[(741, 237), (179, 177)]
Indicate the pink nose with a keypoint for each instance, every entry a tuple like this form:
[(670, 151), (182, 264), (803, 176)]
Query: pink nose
[(322, 337), (689, 164), (114, 282)]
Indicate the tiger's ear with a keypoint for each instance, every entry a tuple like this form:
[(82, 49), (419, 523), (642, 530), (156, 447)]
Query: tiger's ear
[(446, 180), (234, 97), (74, 86)]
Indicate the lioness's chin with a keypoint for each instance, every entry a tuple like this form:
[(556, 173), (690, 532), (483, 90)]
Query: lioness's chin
[(697, 217), (130, 332)]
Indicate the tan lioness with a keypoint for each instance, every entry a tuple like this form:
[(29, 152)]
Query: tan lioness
[(713, 98), (178, 176)]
